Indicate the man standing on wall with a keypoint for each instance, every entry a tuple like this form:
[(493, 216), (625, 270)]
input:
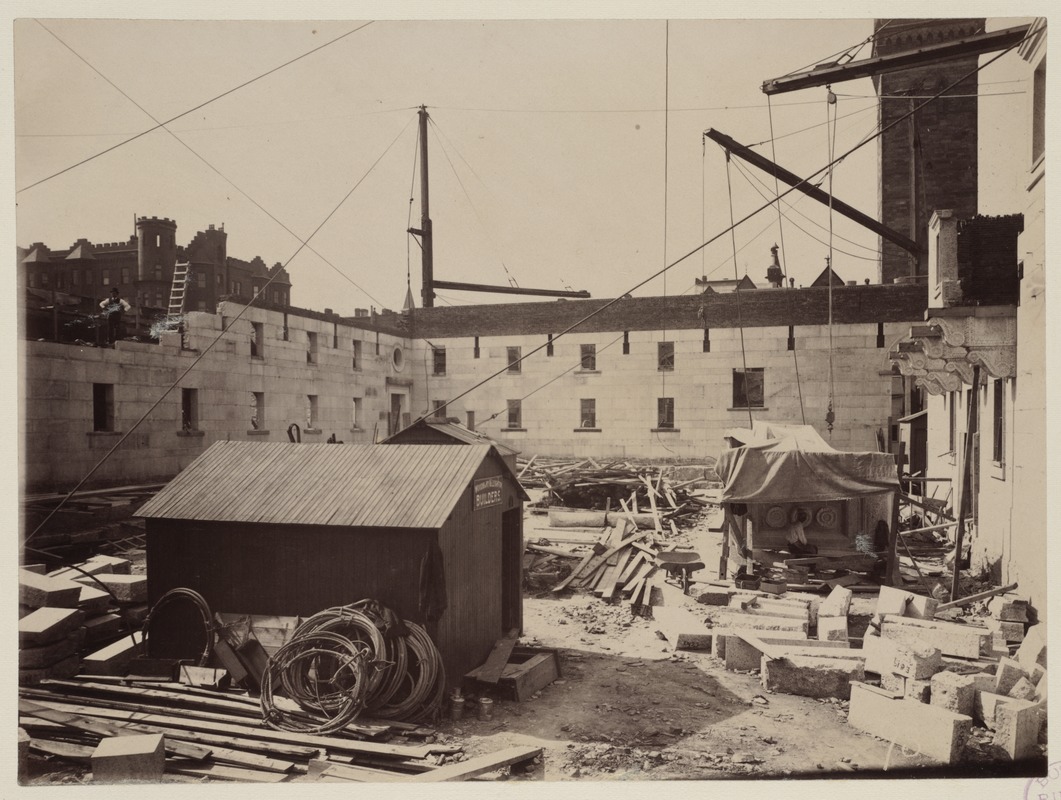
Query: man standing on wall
[(113, 308)]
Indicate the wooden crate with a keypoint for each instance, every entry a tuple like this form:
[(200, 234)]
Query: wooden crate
[(528, 670)]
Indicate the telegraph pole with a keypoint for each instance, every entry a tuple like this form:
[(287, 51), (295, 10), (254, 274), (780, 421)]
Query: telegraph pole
[(427, 255)]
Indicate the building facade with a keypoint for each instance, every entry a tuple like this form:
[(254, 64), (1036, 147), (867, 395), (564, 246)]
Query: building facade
[(665, 377), (142, 268)]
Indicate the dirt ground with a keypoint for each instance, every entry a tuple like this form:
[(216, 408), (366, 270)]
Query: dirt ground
[(629, 708)]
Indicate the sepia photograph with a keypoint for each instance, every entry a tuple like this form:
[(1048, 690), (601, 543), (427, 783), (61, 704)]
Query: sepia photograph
[(585, 396)]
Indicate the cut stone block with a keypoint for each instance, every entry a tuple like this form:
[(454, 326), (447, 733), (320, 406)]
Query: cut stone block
[(891, 682), (837, 604), (1008, 673), (1009, 631), (113, 564), (954, 692), (905, 604), (932, 731), (93, 600), (720, 638), (1017, 728), (985, 706), (41, 591), (67, 668), (38, 568), (1023, 689), (832, 629), (135, 616), (1032, 650), (54, 652), (137, 758), (810, 676), (102, 627), (912, 661), (114, 658), (813, 601), (740, 655), (919, 689), (740, 620), (683, 629), (1009, 607), (715, 597), (965, 641), (45, 625), (983, 682), (770, 608), (127, 589)]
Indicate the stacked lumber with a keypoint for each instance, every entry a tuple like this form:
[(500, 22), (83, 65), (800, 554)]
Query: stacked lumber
[(636, 489), (220, 735), (620, 566)]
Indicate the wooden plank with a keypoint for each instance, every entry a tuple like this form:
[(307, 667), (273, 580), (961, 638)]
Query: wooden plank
[(604, 556), (102, 729), (463, 770), (266, 734), (636, 560), (492, 668), (652, 504), (223, 773), (581, 565), (65, 750), (166, 697), (320, 768)]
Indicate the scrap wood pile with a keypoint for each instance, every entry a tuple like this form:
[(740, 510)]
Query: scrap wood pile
[(178, 728), (618, 485), (619, 565)]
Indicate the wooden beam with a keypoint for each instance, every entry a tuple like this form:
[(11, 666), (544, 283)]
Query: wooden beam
[(463, 770), (482, 287)]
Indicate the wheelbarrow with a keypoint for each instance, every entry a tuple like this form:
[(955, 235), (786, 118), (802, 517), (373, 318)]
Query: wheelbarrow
[(679, 565)]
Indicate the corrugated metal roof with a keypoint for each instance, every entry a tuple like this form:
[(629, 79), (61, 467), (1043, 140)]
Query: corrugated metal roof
[(398, 486), (456, 431)]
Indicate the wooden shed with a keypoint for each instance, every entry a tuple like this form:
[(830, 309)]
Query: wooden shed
[(276, 528), (444, 431)]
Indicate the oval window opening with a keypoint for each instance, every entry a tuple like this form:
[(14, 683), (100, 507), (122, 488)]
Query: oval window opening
[(398, 359)]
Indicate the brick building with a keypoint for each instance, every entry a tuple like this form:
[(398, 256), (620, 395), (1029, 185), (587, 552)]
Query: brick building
[(143, 266), (929, 161)]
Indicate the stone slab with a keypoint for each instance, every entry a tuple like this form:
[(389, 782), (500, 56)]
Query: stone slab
[(93, 600), (985, 706), (1017, 728), (743, 621), (832, 629), (1023, 689), (965, 641), (1009, 608), (127, 589), (934, 732), (954, 692), (1008, 673), (67, 668), (138, 758), (837, 604), (683, 629), (811, 676), (102, 627), (905, 604), (1032, 650), (1009, 631), (45, 655), (114, 658), (720, 638), (914, 661), (45, 625), (41, 591)]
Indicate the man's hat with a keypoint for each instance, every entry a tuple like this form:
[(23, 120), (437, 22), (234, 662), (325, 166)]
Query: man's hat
[(115, 290)]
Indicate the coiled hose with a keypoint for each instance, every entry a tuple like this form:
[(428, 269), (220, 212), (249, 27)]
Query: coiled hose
[(196, 599), (338, 664)]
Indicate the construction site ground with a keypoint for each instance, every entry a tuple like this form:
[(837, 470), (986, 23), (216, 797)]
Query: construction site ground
[(628, 707)]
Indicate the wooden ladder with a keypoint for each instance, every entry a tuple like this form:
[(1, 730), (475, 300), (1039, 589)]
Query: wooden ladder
[(177, 290)]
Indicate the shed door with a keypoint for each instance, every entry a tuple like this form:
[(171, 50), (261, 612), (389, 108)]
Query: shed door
[(511, 570)]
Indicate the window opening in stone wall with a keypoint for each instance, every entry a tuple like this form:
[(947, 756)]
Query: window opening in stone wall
[(665, 355), (515, 414), (475, 348), (549, 346), (439, 360), (75, 277), (125, 275), (791, 337), (355, 412), (200, 279), (190, 409), (748, 388), (377, 343), (311, 349), (106, 277), (514, 363), (626, 343), (311, 411), (998, 441), (257, 340), (103, 407), (335, 336), (471, 420), (438, 409), (356, 360), (587, 411), (707, 340), (589, 357), (880, 334), (257, 411), (665, 412), (287, 332)]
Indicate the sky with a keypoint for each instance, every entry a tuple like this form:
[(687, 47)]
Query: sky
[(563, 153)]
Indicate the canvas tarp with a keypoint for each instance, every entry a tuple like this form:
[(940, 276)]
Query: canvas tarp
[(792, 463)]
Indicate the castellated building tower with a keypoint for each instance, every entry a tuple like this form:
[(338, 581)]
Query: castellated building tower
[(156, 258), (929, 161)]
